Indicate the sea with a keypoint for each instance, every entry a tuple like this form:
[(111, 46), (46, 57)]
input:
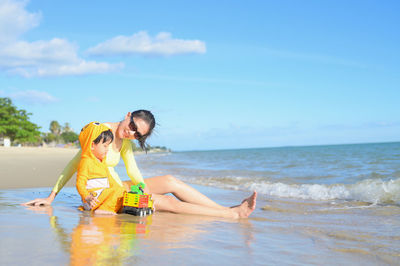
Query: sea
[(362, 173)]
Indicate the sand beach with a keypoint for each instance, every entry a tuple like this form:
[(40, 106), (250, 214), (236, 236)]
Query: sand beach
[(281, 231), (27, 167)]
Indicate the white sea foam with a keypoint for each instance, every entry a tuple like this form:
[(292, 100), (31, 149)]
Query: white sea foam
[(373, 191)]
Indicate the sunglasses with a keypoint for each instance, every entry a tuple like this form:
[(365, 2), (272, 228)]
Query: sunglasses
[(133, 127)]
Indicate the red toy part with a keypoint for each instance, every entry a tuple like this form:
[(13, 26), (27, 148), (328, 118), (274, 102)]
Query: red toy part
[(143, 201)]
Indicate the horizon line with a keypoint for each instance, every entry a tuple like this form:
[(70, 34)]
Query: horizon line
[(292, 146)]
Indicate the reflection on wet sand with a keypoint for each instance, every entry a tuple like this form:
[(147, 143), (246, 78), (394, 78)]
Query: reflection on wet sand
[(114, 240), (104, 239)]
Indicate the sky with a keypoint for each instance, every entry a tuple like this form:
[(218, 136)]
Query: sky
[(216, 74)]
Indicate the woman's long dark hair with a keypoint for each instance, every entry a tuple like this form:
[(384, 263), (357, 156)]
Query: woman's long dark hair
[(147, 117)]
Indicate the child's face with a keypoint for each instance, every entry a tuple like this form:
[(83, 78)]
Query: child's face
[(100, 149)]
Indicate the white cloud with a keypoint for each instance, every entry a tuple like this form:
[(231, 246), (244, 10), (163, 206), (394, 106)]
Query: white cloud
[(57, 57), (80, 68), (141, 43), (20, 54), (33, 97), (15, 20)]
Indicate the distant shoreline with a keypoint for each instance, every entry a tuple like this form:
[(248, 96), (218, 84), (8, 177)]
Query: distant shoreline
[(47, 148), (292, 146)]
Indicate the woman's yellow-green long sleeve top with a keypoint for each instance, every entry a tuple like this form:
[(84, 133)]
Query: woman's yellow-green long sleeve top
[(112, 159)]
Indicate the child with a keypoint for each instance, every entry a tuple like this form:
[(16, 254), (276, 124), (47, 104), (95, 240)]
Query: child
[(99, 192)]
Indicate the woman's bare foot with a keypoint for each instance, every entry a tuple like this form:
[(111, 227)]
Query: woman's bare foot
[(246, 208)]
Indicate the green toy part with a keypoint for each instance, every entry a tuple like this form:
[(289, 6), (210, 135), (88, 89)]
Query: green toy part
[(138, 189)]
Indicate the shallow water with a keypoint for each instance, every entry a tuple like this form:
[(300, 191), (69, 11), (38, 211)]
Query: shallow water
[(280, 231), (63, 235)]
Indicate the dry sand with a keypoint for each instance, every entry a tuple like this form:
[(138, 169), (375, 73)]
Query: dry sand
[(23, 167)]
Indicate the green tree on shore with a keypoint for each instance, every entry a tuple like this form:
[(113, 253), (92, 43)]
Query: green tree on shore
[(66, 128), (55, 128), (15, 124), (69, 136), (150, 148), (59, 134)]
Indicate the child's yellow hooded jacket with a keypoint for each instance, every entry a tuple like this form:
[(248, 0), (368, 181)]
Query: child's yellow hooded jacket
[(93, 177)]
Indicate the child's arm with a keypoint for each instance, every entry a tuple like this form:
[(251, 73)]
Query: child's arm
[(130, 163), (81, 181)]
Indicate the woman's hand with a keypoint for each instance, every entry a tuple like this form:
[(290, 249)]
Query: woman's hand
[(41, 202)]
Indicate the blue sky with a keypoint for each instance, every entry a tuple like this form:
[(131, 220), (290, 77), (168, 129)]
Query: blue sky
[(216, 74)]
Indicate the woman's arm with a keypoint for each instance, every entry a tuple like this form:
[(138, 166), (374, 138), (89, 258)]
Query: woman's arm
[(68, 172), (64, 177), (130, 163)]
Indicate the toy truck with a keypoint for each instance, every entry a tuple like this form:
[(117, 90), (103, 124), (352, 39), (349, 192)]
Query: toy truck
[(136, 202)]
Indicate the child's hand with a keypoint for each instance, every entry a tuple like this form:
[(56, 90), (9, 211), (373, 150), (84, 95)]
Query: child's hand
[(92, 201)]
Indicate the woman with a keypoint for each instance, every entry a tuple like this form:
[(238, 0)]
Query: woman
[(139, 125)]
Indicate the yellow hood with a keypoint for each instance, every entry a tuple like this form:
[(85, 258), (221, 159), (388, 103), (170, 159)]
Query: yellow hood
[(88, 134)]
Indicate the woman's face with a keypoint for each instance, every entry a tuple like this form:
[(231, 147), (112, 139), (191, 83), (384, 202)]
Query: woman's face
[(132, 129)]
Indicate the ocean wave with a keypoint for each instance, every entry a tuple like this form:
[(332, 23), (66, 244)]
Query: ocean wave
[(372, 191), (375, 191)]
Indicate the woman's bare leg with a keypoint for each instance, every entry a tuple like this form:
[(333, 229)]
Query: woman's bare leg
[(190, 200), (171, 204), (169, 184)]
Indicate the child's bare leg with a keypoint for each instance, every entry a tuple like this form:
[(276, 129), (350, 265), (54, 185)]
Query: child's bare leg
[(170, 184), (169, 203)]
